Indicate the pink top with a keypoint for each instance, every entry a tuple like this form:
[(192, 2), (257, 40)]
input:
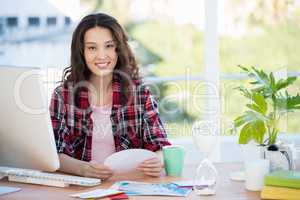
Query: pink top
[(103, 143)]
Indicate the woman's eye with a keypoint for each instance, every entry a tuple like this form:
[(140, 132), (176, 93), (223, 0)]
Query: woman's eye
[(110, 45), (92, 48)]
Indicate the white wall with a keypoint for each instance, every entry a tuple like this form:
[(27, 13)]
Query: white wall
[(25, 8), (38, 54)]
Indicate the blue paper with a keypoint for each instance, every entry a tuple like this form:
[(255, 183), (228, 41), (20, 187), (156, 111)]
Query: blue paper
[(132, 188), (6, 190)]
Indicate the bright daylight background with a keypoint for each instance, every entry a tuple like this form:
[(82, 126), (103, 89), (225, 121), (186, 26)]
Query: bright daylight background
[(168, 39)]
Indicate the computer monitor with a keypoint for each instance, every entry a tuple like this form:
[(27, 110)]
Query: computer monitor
[(26, 134)]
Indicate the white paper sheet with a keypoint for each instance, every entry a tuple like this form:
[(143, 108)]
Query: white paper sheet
[(98, 193), (187, 183), (6, 190), (128, 160)]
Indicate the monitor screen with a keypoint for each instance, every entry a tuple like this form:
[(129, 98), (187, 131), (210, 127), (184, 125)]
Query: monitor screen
[(26, 134)]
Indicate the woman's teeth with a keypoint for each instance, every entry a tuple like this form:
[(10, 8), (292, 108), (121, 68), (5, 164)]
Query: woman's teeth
[(102, 65)]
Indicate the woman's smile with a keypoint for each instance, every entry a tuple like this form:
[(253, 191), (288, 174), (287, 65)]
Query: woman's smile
[(102, 65)]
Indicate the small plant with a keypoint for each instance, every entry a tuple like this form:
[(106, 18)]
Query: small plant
[(269, 102)]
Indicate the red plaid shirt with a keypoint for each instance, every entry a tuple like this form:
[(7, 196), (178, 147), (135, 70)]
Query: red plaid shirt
[(134, 125)]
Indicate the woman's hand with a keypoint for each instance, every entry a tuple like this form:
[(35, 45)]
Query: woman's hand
[(96, 170), (151, 167)]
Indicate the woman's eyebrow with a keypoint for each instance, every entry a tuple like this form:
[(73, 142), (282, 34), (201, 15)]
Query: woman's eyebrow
[(90, 42), (110, 41)]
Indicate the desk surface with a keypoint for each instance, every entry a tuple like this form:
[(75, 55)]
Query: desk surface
[(227, 189)]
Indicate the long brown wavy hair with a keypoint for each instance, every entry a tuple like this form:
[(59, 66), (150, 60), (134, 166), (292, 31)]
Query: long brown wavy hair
[(126, 66)]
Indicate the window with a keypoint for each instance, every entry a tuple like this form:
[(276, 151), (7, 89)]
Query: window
[(1, 26), (67, 21), (33, 21), (168, 45), (264, 34), (11, 22), (51, 21)]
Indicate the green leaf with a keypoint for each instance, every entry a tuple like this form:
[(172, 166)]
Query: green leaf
[(239, 121), (245, 135), (268, 101), (285, 83), (260, 76), (254, 130), (265, 83), (288, 103), (272, 81), (258, 89), (254, 107), (244, 91), (259, 132), (249, 117), (256, 116), (260, 102), (245, 69)]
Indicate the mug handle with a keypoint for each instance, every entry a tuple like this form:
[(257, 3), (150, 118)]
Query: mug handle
[(288, 158)]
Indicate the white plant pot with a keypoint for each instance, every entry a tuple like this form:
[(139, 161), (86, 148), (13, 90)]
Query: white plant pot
[(251, 152)]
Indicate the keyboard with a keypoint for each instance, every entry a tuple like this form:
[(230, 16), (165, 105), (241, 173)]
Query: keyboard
[(45, 178)]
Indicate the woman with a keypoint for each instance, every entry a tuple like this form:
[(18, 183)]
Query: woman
[(101, 107)]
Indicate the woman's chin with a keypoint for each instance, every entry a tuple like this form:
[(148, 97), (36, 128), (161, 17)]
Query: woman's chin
[(103, 72)]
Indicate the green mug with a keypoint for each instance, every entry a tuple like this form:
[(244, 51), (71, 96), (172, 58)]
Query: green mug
[(173, 159)]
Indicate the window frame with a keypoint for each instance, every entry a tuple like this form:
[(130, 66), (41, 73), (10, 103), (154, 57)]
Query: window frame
[(51, 21), (15, 24), (32, 19)]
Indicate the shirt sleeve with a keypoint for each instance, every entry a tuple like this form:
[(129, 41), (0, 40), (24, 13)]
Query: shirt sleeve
[(60, 129), (154, 134)]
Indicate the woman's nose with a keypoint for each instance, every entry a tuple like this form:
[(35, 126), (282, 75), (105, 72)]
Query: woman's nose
[(101, 54)]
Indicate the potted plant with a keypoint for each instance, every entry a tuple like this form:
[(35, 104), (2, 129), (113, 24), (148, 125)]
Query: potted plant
[(268, 102)]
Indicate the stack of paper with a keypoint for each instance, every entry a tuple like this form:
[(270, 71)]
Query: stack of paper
[(132, 188), (282, 185), (270, 192), (97, 193), (283, 178)]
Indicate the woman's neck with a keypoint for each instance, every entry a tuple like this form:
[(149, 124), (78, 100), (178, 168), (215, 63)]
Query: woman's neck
[(101, 84), (101, 93)]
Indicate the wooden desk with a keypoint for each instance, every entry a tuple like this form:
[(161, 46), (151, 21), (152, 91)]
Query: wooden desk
[(227, 189)]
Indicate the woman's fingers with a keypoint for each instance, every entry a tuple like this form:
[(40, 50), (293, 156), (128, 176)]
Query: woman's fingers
[(99, 174), (93, 175), (158, 169), (154, 174), (151, 167), (151, 171), (151, 161), (99, 170)]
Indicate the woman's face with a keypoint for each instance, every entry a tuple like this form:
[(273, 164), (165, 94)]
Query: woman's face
[(100, 51)]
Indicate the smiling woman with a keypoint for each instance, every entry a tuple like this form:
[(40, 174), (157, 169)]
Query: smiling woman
[(100, 51), (102, 106)]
